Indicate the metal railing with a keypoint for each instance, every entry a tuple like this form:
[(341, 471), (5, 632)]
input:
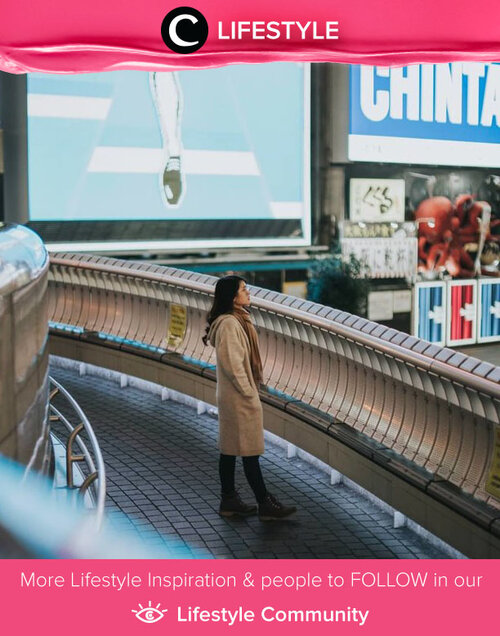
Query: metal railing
[(429, 405), (96, 472)]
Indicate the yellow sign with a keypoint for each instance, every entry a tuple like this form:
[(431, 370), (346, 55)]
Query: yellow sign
[(295, 288), (493, 480), (176, 326)]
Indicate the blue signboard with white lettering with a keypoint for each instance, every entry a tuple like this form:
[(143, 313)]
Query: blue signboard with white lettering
[(440, 114)]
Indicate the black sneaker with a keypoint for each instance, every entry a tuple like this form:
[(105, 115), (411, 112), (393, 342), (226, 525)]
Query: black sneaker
[(271, 509), (232, 505)]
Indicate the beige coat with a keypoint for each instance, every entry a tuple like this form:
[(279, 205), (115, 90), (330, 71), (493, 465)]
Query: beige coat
[(241, 430)]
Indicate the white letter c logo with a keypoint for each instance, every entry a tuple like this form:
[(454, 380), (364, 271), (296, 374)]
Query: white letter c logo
[(173, 26)]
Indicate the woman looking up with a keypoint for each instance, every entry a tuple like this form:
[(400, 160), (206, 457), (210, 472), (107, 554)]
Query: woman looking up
[(239, 375)]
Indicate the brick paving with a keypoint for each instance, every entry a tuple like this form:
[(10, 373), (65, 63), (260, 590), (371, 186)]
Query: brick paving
[(162, 474)]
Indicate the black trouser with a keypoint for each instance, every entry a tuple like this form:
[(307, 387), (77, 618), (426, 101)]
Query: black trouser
[(251, 466)]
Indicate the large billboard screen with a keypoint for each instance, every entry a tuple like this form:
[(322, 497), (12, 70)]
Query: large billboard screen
[(438, 114), (216, 157)]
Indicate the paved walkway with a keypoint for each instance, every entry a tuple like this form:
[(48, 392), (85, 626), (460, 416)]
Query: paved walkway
[(162, 472)]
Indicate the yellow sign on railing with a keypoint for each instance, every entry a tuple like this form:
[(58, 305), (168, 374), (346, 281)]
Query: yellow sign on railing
[(176, 326), (493, 480)]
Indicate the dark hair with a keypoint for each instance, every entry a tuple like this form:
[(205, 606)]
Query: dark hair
[(226, 289)]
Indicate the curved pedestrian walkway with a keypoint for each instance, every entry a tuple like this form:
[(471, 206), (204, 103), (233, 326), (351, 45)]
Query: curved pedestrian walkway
[(162, 473)]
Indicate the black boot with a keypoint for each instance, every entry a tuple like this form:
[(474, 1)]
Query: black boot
[(232, 505), (271, 509)]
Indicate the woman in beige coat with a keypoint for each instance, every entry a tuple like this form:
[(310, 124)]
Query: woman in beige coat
[(239, 375)]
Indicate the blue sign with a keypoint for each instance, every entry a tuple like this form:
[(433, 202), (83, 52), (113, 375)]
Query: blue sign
[(430, 311), (489, 307), (446, 114)]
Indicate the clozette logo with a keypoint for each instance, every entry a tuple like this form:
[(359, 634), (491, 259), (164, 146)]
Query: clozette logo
[(184, 30), (149, 614)]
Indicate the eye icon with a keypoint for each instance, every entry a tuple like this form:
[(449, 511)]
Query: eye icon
[(149, 614)]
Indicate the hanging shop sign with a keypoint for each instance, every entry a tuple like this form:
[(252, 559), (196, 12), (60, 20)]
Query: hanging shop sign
[(429, 316), (384, 258), (377, 200), (361, 229), (440, 114)]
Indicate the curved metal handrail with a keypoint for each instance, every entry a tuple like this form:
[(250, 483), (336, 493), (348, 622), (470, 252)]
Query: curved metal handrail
[(432, 406), (97, 470), (383, 346), (81, 444)]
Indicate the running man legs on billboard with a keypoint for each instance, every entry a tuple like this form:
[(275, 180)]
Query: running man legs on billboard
[(167, 97)]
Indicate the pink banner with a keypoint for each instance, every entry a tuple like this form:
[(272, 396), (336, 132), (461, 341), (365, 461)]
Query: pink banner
[(248, 597), (64, 37)]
